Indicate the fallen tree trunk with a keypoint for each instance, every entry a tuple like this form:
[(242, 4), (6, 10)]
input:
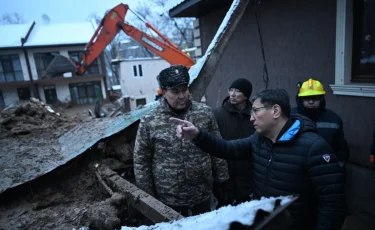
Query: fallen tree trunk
[(150, 207)]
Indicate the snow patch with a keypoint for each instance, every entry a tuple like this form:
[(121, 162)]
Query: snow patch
[(196, 69), (11, 35), (222, 218), (61, 34)]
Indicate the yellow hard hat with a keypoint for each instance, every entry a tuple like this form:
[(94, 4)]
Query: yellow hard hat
[(311, 87)]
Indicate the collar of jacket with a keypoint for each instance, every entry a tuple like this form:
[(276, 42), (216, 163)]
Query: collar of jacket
[(232, 109), (166, 108), (295, 125)]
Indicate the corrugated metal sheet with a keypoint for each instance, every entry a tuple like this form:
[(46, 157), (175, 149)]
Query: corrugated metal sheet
[(66, 148)]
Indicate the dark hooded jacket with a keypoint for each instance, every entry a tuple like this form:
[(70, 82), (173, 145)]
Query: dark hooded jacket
[(372, 148), (329, 126), (235, 124), (299, 162)]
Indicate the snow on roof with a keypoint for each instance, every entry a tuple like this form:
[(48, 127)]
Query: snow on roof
[(195, 69), (10, 35), (172, 4), (61, 34), (221, 219), (135, 59)]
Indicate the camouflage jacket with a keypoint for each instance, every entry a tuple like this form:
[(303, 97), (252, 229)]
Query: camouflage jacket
[(176, 172)]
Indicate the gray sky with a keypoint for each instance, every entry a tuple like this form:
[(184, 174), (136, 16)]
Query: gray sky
[(60, 11)]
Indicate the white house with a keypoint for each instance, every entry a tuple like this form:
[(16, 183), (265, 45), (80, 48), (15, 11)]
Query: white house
[(27, 49), (138, 78)]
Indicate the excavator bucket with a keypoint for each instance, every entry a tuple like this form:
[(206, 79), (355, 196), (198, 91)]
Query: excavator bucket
[(59, 65)]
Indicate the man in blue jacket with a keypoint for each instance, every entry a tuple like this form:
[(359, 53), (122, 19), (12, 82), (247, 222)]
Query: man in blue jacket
[(289, 158)]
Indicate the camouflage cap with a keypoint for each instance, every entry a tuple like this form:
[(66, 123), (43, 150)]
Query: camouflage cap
[(173, 76)]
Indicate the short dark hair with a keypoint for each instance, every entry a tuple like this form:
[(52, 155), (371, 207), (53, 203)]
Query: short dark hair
[(271, 97)]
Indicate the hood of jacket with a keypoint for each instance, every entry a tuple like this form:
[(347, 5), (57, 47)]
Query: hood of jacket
[(298, 125)]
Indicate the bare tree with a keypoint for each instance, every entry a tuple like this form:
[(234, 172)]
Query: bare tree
[(179, 30), (12, 18)]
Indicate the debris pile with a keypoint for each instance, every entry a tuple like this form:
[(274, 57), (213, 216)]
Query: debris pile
[(73, 196), (33, 117)]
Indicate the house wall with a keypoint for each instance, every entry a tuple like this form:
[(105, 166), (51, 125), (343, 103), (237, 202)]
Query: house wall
[(141, 87), (62, 87), (299, 42)]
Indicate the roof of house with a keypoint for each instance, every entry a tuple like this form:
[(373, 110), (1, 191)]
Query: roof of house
[(172, 4), (194, 8), (11, 34), (46, 35), (61, 34), (136, 59)]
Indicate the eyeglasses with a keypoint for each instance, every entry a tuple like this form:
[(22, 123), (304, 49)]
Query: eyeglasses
[(255, 110)]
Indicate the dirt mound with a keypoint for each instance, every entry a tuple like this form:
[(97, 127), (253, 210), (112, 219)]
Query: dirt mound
[(35, 118)]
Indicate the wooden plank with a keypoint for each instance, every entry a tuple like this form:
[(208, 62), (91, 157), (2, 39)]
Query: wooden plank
[(207, 71), (150, 207)]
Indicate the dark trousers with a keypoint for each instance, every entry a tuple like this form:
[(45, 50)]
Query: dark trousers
[(203, 207)]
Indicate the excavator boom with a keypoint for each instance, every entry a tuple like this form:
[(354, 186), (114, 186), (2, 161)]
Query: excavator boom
[(112, 23)]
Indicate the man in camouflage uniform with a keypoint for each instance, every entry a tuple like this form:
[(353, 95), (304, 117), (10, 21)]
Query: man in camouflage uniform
[(173, 171)]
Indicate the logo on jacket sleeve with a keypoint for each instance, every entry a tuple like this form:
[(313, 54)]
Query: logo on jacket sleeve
[(326, 157)]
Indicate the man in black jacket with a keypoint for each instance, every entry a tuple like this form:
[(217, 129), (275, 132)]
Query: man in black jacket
[(233, 119), (372, 152), (289, 158), (311, 103)]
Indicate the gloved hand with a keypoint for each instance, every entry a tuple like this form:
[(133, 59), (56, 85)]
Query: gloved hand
[(219, 191), (372, 161)]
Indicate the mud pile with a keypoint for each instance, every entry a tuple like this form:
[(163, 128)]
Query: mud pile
[(72, 196), (36, 118)]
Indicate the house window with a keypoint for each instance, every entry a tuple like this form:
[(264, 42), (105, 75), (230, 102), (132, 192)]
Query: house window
[(93, 68), (137, 71), (2, 102), (140, 70), (24, 93), (85, 92), (10, 68), (140, 101), (354, 70), (42, 60), (364, 41)]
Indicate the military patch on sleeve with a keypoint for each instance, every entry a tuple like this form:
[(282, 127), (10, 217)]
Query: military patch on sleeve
[(326, 157)]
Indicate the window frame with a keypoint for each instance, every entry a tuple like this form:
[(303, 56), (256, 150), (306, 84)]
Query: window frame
[(94, 68), (137, 71), (3, 74), (45, 62), (344, 59)]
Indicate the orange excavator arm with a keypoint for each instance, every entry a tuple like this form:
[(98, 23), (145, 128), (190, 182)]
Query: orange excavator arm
[(110, 26)]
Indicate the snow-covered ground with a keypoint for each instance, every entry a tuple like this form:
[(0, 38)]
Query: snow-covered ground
[(222, 218)]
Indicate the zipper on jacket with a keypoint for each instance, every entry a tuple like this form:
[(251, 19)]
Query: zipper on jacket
[(266, 178)]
